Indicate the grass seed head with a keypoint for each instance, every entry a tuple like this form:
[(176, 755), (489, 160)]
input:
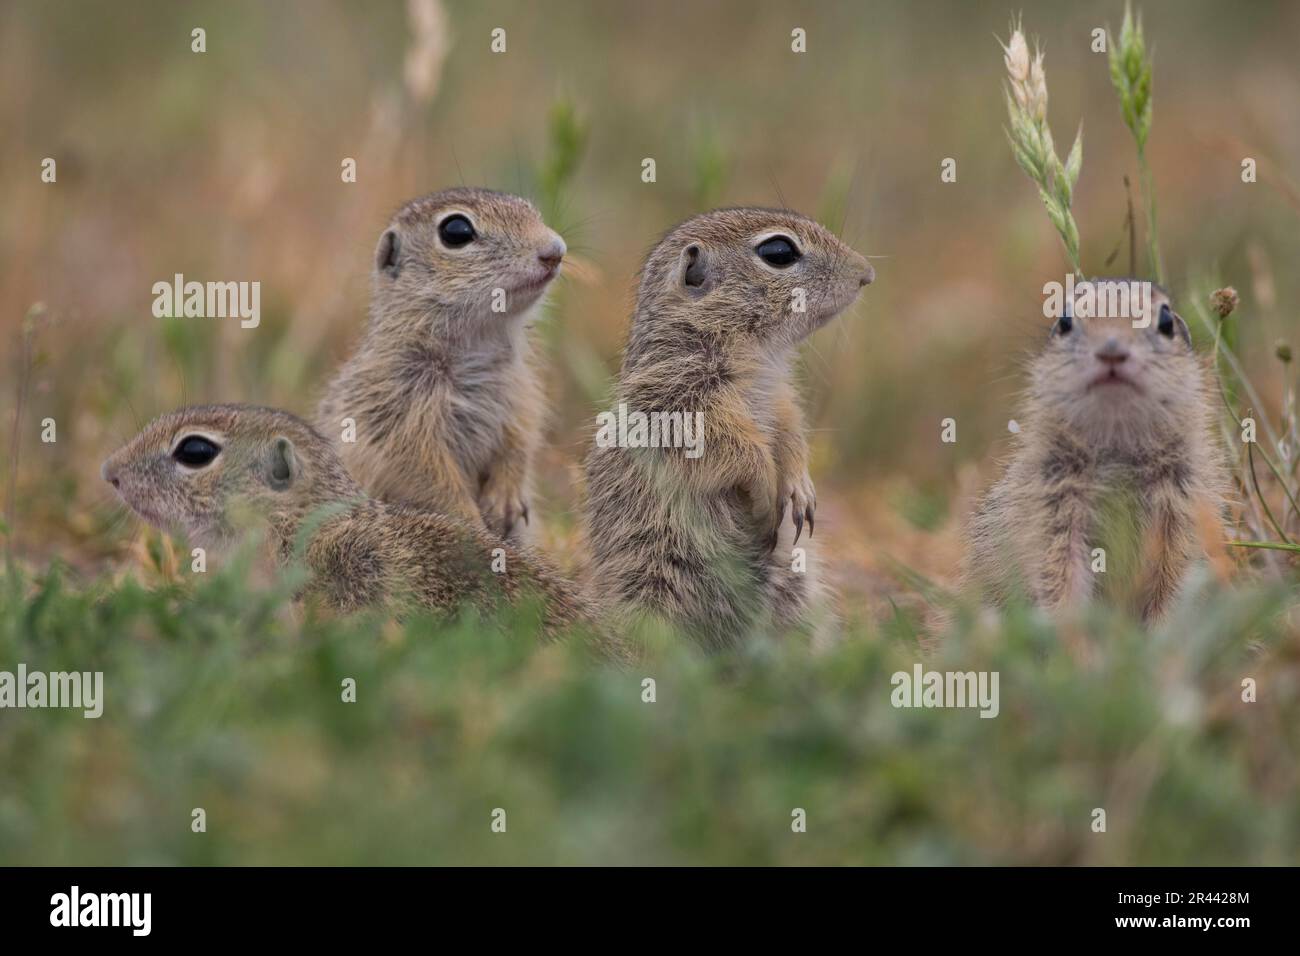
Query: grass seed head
[(1130, 72), (1224, 301), (1031, 138)]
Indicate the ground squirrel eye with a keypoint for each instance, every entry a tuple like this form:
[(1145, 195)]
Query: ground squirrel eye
[(1065, 323), (456, 231), (778, 251), (195, 451), (1165, 326)]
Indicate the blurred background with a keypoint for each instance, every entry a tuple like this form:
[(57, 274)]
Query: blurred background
[(226, 165)]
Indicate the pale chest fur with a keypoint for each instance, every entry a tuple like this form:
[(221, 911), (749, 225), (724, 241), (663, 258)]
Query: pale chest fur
[(425, 412)]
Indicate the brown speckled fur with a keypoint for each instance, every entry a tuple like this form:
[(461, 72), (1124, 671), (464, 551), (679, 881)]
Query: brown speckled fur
[(361, 551), (1033, 534), (447, 403), (703, 542)]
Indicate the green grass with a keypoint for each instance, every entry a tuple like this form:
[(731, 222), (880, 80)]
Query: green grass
[(219, 695)]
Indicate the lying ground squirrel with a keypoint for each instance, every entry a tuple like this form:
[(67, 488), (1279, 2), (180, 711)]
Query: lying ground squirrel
[(205, 469), (1118, 418), (724, 299), (446, 403)]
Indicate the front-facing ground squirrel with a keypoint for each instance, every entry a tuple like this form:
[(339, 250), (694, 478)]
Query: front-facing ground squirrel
[(440, 406), (214, 471), (1117, 483), (697, 535)]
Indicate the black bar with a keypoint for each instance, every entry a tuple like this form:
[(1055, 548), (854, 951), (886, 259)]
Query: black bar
[(334, 906)]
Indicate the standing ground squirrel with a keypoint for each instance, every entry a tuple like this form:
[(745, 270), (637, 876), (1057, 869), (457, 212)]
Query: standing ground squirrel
[(207, 469), (1117, 417), (724, 299), (446, 403)]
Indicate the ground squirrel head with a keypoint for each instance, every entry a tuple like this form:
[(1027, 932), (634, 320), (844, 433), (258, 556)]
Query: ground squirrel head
[(1119, 366), (471, 253), (767, 276), (200, 468)]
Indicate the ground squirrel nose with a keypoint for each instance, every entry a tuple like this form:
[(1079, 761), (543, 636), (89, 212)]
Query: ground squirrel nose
[(107, 474), (868, 275), (1112, 353), (552, 253)]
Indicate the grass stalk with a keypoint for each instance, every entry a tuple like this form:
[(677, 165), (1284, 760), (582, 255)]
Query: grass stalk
[(27, 334)]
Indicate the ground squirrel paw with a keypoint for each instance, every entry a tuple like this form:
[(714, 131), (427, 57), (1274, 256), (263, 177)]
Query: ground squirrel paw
[(503, 509), (803, 504)]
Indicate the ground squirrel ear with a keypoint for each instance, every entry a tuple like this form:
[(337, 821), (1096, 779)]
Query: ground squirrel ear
[(695, 268), (386, 255), (282, 465)]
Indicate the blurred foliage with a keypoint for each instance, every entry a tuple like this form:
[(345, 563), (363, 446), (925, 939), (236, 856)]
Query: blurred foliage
[(214, 699), (566, 140), (709, 170), (924, 508)]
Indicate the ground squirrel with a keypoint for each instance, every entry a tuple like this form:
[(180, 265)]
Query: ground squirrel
[(446, 403), (206, 470), (724, 299), (1117, 415)]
